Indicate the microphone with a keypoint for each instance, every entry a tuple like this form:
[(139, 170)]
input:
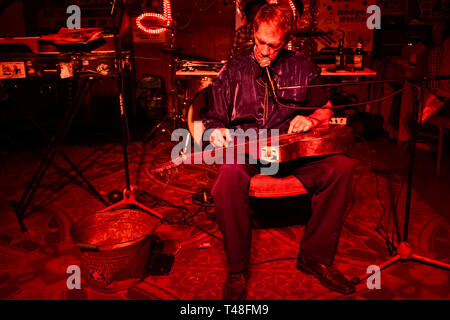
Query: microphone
[(265, 64)]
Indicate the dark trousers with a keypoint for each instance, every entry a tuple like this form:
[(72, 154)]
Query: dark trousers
[(328, 179)]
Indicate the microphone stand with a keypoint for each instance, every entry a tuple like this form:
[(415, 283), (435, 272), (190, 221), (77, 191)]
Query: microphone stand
[(404, 251), (129, 193)]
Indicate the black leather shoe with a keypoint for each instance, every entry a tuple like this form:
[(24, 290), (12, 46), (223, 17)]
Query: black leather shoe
[(328, 276), (235, 287)]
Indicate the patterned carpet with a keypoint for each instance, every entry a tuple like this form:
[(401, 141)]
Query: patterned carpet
[(33, 265)]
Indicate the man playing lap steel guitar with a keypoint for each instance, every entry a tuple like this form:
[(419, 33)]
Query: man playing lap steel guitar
[(244, 99)]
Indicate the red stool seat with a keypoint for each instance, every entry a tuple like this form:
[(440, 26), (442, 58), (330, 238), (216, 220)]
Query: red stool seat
[(269, 186)]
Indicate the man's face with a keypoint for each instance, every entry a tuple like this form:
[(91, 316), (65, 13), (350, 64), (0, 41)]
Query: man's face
[(268, 42)]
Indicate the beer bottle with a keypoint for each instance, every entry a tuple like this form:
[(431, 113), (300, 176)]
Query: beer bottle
[(358, 59), (340, 57)]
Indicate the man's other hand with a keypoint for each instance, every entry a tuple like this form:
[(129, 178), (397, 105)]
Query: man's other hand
[(300, 124), (220, 137)]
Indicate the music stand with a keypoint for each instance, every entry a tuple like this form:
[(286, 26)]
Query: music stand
[(404, 251), (129, 193)]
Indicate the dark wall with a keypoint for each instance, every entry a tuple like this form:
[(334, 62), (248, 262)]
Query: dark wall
[(206, 31)]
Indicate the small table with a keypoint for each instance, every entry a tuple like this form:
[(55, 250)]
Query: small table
[(324, 67), (326, 71)]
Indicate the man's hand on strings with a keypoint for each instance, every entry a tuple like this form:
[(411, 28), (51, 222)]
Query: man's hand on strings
[(301, 124), (220, 137)]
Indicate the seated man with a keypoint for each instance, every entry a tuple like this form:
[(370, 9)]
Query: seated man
[(242, 100)]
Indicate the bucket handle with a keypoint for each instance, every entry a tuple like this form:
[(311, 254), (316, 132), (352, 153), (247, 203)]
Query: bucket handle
[(88, 247), (95, 247)]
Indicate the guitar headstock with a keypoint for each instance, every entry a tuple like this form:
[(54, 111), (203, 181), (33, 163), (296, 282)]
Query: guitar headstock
[(169, 165)]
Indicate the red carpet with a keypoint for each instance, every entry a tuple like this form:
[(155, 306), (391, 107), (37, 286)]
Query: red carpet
[(33, 264)]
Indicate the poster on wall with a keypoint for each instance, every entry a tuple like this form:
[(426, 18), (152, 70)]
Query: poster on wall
[(393, 7), (147, 26), (140, 36), (347, 17), (435, 9)]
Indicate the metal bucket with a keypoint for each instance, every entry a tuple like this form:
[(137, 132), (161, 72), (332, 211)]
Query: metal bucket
[(115, 247)]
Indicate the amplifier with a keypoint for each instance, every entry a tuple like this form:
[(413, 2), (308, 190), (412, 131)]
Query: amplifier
[(63, 65)]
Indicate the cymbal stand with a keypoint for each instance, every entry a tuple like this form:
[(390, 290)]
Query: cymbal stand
[(174, 119), (129, 193)]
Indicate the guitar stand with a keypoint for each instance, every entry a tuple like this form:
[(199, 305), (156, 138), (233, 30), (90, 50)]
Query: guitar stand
[(404, 252), (53, 147)]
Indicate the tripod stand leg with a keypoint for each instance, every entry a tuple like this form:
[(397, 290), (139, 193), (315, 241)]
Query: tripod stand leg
[(382, 266), (430, 261), (56, 141), (151, 211), (159, 127), (85, 180), (71, 164), (111, 207), (129, 198), (398, 257)]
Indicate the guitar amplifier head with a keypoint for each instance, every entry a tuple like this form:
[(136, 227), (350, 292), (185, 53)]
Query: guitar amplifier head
[(63, 65)]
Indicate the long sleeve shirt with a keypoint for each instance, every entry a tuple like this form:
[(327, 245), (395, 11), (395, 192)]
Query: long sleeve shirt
[(241, 98)]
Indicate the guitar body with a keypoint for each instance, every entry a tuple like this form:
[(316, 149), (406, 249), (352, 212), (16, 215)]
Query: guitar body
[(320, 141), (326, 140)]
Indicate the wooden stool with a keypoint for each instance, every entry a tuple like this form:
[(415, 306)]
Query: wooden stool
[(268, 186)]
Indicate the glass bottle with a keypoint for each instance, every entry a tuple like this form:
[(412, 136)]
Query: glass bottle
[(340, 56), (358, 58)]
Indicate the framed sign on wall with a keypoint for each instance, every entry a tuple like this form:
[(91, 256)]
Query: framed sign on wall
[(345, 16), (434, 9), (393, 7)]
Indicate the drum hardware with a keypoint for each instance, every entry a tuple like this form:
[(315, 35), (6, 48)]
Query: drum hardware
[(189, 65), (174, 119)]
